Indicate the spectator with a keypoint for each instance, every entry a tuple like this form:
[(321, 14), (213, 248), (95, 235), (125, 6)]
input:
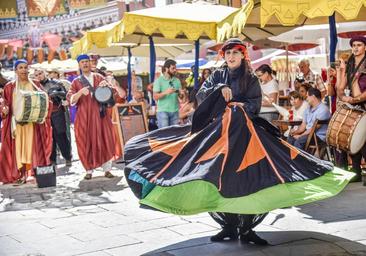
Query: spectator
[(166, 89), (298, 107), (270, 92), (311, 77), (138, 97), (317, 111), (303, 90), (205, 74)]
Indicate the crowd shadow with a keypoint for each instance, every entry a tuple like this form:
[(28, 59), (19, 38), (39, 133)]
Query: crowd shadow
[(282, 243), (350, 204), (88, 192)]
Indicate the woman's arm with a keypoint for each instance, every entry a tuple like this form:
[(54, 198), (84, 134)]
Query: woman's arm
[(272, 97), (216, 80)]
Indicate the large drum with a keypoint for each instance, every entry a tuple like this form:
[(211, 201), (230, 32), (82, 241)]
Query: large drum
[(30, 106), (347, 129)]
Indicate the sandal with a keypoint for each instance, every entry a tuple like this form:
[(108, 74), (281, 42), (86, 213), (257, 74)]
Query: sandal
[(108, 175), (88, 176), (20, 181)]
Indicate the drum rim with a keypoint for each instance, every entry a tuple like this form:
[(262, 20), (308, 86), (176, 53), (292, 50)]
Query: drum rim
[(96, 94)]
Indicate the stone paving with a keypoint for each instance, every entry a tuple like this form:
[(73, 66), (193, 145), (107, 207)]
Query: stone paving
[(102, 217)]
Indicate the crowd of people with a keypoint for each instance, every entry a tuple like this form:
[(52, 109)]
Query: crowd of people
[(175, 104)]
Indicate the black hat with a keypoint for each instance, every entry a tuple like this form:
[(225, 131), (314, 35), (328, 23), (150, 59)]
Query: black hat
[(358, 39), (230, 43)]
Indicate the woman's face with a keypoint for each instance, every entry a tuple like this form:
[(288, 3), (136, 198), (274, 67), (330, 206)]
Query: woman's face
[(206, 74), (263, 77), (303, 92), (296, 102), (233, 58)]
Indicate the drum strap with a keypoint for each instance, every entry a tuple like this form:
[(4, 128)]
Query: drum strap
[(85, 83), (352, 75)]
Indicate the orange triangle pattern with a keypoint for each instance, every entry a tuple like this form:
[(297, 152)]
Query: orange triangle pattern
[(170, 149), (220, 146), (294, 152), (253, 154)]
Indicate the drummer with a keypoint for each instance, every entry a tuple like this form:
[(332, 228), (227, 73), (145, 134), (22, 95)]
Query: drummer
[(24, 145), (94, 134), (352, 88)]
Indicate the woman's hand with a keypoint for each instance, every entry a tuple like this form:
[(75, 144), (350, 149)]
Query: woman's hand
[(227, 93)]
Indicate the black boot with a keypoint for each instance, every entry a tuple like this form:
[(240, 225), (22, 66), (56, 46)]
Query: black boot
[(251, 237), (358, 176), (230, 233)]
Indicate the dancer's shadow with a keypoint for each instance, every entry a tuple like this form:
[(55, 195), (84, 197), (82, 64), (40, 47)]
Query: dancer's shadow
[(283, 243), (349, 205)]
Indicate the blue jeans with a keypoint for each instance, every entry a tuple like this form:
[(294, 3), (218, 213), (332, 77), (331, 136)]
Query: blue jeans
[(167, 118)]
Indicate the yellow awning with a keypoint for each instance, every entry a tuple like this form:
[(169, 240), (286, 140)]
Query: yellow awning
[(176, 23), (184, 20), (290, 12)]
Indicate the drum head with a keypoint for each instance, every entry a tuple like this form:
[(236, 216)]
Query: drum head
[(103, 94), (359, 136)]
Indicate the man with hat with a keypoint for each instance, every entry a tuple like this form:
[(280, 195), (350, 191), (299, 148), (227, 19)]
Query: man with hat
[(352, 88), (93, 64), (93, 132), (24, 145), (57, 94)]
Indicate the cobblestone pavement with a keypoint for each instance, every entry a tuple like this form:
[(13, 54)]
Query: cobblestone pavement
[(102, 217)]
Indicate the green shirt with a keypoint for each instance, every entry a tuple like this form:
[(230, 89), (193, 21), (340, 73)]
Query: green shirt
[(168, 103)]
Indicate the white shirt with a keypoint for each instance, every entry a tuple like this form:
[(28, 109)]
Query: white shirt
[(267, 89), (299, 113)]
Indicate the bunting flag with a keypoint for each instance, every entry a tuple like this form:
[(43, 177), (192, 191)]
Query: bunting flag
[(29, 55), (63, 54), (225, 162), (8, 9), (84, 4), (53, 41), (39, 8), (40, 55), (10, 52), (51, 55), (20, 52)]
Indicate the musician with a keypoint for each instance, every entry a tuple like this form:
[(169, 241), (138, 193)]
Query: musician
[(24, 145), (352, 88), (3, 82), (94, 134), (317, 111), (57, 94), (93, 64)]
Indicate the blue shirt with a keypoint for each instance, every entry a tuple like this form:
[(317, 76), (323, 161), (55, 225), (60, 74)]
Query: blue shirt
[(320, 112)]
